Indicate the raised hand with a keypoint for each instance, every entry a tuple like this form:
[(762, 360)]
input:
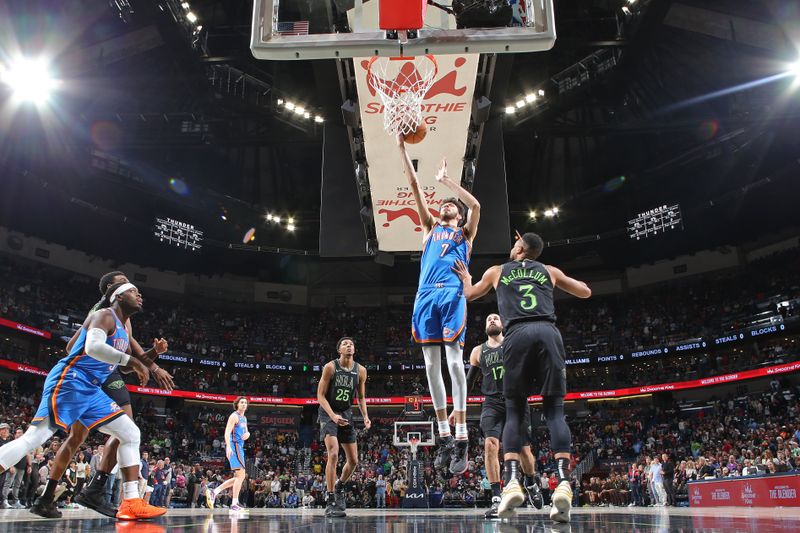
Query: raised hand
[(441, 174), (160, 346)]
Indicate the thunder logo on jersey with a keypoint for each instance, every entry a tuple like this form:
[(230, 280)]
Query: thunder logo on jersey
[(444, 246)]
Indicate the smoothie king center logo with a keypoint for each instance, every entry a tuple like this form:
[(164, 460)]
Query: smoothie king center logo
[(697, 497), (403, 212), (409, 74), (403, 205)]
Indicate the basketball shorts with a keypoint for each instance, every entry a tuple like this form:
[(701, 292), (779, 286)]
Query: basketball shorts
[(236, 460), (440, 316), (344, 434), (493, 419), (533, 357), (115, 388), (68, 397)]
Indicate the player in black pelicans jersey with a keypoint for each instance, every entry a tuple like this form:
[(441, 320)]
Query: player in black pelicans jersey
[(533, 357), (486, 361), (341, 379)]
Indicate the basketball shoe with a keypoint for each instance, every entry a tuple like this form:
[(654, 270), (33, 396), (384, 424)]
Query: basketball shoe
[(136, 509), (492, 512), (513, 496), (562, 502)]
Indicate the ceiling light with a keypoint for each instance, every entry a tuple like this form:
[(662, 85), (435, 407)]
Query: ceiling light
[(548, 213), (30, 80), (510, 110), (795, 68), (199, 28), (541, 92), (280, 101), (319, 119), (299, 110), (289, 106), (532, 215), (185, 6), (277, 219), (290, 227), (530, 98), (307, 115), (626, 11), (555, 210), (290, 220), (191, 17), (520, 103)]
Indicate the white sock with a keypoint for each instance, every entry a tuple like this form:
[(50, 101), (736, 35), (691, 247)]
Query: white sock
[(461, 431), (235, 501), (444, 428), (130, 489), (214, 492)]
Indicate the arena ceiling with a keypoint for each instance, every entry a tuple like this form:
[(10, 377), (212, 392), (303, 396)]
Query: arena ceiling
[(686, 113)]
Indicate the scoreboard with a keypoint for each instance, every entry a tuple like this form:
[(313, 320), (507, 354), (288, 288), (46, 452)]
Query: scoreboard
[(179, 234), (655, 221)]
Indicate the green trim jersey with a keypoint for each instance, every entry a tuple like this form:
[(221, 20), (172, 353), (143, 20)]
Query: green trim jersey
[(492, 370), (342, 387), (525, 293)]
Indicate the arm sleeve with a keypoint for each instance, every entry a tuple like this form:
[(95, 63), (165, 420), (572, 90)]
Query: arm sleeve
[(97, 348), (472, 376)]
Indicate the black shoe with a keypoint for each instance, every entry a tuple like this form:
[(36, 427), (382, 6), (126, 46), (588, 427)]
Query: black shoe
[(492, 512), (45, 508), (535, 495), (95, 500), (341, 500), (332, 510), (443, 454), (459, 461)]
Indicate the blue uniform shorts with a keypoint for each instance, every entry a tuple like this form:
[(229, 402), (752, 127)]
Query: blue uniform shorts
[(68, 398), (237, 455), (440, 316)]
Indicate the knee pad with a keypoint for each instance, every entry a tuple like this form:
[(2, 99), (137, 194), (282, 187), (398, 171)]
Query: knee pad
[(35, 436), (129, 437)]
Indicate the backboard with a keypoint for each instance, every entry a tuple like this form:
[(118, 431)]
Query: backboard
[(418, 433), (329, 29)]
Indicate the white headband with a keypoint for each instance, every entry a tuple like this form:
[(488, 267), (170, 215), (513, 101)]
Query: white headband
[(122, 288)]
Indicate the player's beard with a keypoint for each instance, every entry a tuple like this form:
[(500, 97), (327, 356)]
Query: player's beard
[(446, 216), (493, 331)]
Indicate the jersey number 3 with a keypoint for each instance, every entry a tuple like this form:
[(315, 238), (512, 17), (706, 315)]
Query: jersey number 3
[(528, 302)]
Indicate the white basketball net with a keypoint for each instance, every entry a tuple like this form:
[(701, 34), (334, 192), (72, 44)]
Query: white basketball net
[(401, 83)]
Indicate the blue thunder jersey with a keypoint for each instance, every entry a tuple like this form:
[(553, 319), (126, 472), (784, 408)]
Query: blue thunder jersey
[(86, 368), (443, 247), (239, 429), (236, 459), (72, 389)]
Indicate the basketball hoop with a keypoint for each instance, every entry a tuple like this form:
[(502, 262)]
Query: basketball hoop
[(414, 443), (401, 83)]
